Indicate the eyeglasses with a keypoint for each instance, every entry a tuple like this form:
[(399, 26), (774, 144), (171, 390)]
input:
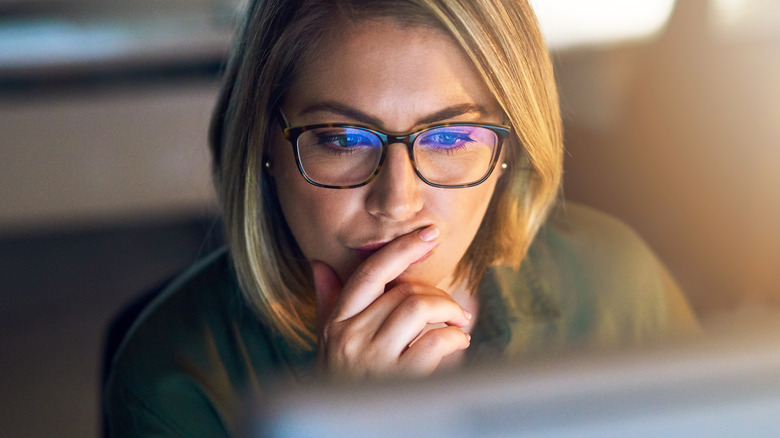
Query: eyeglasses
[(342, 156)]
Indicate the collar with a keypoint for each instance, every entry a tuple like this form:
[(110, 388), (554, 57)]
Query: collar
[(510, 300)]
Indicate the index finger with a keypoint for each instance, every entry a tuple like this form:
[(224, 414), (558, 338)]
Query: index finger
[(368, 282)]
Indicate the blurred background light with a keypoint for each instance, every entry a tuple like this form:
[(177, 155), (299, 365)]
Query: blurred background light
[(746, 18), (567, 23)]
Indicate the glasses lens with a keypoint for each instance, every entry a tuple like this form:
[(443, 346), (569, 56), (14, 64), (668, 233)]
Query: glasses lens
[(455, 155), (339, 156)]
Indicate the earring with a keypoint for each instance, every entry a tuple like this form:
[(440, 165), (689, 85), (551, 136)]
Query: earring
[(504, 166), (267, 164)]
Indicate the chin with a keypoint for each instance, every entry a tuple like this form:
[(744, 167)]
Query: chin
[(420, 273)]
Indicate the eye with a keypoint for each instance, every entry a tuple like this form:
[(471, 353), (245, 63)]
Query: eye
[(447, 138), (350, 140), (339, 141), (346, 138)]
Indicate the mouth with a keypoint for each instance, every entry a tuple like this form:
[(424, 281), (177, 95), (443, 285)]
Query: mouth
[(366, 251)]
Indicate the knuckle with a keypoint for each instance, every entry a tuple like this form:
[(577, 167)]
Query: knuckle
[(347, 343), (373, 352), (366, 273), (350, 332), (436, 340), (433, 341), (415, 304), (405, 290), (328, 332), (442, 339), (347, 348)]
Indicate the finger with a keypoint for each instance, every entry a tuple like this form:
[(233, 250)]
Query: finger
[(414, 313), (327, 288), (376, 314), (424, 356), (368, 282)]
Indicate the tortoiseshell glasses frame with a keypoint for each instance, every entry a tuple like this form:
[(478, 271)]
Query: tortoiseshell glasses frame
[(294, 134)]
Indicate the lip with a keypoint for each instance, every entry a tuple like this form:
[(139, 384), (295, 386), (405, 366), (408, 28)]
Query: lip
[(365, 251)]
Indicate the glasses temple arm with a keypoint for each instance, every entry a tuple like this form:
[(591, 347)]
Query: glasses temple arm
[(283, 119)]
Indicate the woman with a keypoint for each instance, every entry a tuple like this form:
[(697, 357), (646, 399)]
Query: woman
[(388, 174)]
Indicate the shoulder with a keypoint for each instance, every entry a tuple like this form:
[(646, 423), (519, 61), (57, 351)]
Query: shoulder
[(190, 356), (592, 247), (194, 304), (574, 228), (609, 286)]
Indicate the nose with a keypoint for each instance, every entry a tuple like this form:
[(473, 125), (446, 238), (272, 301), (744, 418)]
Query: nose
[(395, 192)]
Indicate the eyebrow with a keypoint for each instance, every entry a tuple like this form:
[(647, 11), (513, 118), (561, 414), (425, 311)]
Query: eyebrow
[(355, 114)]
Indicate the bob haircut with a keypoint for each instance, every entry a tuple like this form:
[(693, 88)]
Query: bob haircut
[(277, 37)]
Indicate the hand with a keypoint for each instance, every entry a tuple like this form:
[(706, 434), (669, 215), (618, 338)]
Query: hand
[(367, 332)]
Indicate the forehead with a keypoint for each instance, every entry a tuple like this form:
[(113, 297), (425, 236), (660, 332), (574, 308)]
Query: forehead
[(390, 70)]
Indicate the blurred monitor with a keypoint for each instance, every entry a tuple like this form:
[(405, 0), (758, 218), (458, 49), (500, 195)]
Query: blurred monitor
[(714, 388)]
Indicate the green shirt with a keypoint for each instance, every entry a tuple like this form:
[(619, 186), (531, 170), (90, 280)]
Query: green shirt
[(198, 350)]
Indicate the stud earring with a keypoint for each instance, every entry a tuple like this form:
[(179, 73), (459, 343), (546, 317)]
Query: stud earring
[(504, 166), (267, 164)]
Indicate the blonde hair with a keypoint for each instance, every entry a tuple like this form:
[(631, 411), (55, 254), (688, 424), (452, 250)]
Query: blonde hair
[(277, 37)]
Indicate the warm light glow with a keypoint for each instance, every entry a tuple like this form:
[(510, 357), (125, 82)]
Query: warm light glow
[(746, 17), (731, 11), (567, 23)]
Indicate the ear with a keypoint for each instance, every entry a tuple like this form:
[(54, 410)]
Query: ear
[(502, 164)]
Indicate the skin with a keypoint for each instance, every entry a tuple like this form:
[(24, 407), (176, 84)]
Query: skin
[(371, 309)]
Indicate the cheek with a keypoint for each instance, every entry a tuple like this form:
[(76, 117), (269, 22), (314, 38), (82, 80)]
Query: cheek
[(467, 206), (312, 222), (473, 208), (469, 212), (462, 213), (314, 215)]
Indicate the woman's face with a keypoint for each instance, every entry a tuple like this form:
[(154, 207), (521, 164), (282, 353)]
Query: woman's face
[(394, 79)]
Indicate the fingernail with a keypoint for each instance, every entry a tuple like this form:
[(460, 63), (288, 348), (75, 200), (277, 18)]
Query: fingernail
[(467, 313), (468, 337), (429, 233)]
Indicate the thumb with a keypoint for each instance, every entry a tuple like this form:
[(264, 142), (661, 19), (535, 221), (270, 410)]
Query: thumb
[(327, 288)]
